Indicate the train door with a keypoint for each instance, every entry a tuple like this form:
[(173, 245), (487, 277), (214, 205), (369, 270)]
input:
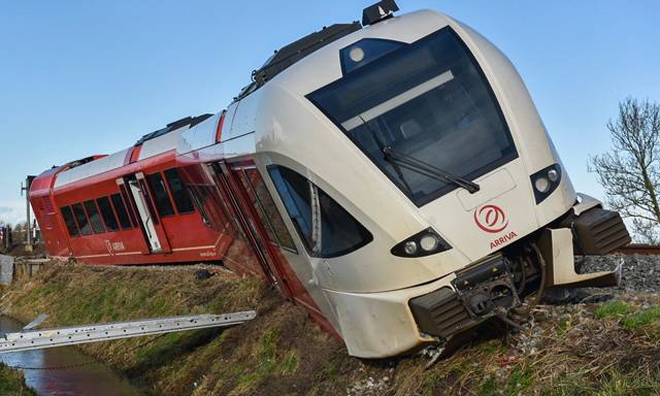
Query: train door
[(138, 194), (232, 180)]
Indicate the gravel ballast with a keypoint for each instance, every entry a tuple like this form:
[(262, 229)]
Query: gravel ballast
[(641, 273)]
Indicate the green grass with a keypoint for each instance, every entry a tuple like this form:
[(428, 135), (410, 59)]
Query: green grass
[(519, 380), (563, 326), (289, 363), (12, 383), (642, 318), (268, 362), (613, 309), (632, 318), (489, 387), (618, 384), (571, 385)]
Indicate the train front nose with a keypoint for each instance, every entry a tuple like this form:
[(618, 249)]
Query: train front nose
[(423, 113)]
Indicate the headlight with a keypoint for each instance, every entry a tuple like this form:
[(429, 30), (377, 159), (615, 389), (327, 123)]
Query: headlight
[(411, 247), (545, 182), (429, 242), (421, 244), (542, 184)]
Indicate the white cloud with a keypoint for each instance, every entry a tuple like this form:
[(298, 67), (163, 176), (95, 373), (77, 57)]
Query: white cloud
[(12, 211)]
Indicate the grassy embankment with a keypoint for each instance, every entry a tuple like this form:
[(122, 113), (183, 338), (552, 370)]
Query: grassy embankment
[(607, 349), (12, 383)]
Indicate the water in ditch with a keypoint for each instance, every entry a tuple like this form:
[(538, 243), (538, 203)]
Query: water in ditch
[(64, 371)]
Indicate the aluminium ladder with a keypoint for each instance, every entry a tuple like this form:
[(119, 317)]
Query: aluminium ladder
[(64, 336)]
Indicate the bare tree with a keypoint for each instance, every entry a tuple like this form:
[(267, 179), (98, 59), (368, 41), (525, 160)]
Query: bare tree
[(630, 172)]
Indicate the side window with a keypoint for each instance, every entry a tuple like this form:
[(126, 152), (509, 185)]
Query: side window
[(326, 228), (179, 192), (257, 207), (270, 210), (70, 222), (94, 217), (129, 204), (81, 219), (121, 211), (107, 213), (160, 195), (210, 208)]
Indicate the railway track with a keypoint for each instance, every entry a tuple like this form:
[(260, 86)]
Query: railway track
[(640, 248)]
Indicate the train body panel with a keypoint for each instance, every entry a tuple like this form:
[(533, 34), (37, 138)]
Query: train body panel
[(95, 190), (395, 180)]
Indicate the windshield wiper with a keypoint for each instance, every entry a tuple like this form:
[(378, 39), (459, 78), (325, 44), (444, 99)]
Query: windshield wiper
[(382, 147), (427, 169)]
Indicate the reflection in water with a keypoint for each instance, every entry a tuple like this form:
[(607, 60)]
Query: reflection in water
[(85, 379)]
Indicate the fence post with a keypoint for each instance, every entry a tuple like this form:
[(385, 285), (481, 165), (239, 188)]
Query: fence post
[(28, 223)]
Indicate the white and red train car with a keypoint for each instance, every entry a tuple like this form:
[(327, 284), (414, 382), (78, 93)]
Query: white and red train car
[(393, 177)]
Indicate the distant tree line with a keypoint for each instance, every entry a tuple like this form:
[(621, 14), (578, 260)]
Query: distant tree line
[(18, 234)]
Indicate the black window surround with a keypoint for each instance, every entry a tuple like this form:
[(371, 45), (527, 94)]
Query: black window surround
[(129, 205), (122, 213), (340, 233), (430, 100), (108, 215), (69, 221), (160, 195), (94, 216), (266, 210), (179, 191), (81, 219)]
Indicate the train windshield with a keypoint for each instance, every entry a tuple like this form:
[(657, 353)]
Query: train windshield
[(427, 101)]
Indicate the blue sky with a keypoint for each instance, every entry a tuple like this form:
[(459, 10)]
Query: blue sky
[(80, 77)]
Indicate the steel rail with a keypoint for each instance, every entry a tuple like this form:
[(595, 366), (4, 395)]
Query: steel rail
[(639, 248)]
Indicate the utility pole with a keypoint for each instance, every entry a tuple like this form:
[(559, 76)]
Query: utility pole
[(28, 223)]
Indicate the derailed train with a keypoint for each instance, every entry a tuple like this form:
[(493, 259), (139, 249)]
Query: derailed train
[(392, 177)]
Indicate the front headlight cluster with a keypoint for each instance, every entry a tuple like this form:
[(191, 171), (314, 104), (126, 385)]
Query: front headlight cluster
[(545, 182), (421, 244)]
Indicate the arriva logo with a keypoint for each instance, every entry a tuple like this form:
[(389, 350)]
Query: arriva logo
[(490, 218)]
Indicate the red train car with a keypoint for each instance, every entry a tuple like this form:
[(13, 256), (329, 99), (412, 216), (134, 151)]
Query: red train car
[(131, 207)]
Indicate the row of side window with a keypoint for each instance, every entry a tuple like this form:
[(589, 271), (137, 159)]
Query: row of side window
[(111, 213), (96, 216)]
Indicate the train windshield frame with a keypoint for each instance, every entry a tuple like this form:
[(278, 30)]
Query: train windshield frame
[(428, 100)]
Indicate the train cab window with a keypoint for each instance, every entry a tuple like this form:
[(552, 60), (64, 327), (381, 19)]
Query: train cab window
[(179, 192), (69, 221), (94, 217), (326, 228), (270, 210), (107, 214), (122, 213), (81, 219), (427, 103), (160, 195)]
